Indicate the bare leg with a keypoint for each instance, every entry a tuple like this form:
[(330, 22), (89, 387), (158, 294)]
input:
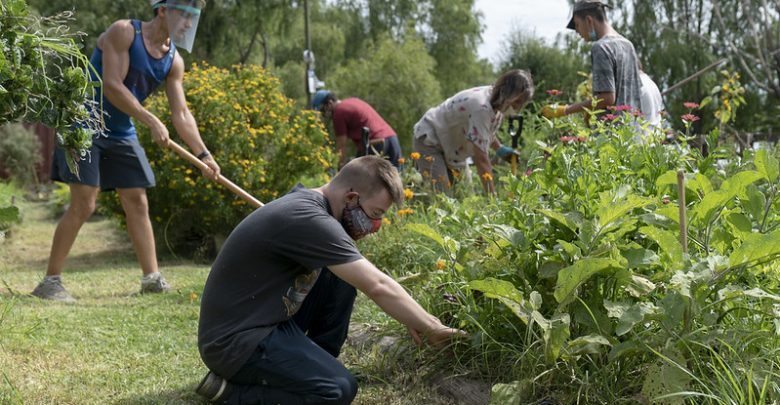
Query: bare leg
[(82, 205), (139, 226)]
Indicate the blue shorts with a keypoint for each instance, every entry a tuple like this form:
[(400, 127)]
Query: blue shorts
[(111, 163)]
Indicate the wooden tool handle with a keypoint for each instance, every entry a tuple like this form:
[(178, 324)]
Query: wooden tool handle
[(221, 179)]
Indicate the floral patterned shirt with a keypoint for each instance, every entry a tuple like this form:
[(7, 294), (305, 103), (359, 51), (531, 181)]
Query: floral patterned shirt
[(462, 122)]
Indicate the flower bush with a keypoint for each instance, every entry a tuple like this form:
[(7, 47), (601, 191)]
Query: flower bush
[(574, 284), (256, 136)]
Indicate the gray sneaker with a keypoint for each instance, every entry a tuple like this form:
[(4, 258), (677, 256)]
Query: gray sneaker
[(213, 387), (154, 284), (52, 290)]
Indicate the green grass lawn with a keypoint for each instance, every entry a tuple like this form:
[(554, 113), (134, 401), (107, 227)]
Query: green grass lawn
[(113, 346)]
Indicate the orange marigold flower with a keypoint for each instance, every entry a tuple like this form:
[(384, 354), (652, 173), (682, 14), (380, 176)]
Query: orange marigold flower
[(487, 177), (408, 194), (405, 212), (386, 221), (415, 156), (401, 161), (440, 264)]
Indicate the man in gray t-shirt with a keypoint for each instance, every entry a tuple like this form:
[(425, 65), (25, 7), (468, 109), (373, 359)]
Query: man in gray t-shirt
[(276, 305), (616, 81)]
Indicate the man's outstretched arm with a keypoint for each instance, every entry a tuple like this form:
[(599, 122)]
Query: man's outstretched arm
[(396, 302)]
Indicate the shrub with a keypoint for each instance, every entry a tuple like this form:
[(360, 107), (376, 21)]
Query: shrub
[(257, 137), (9, 212), (20, 152)]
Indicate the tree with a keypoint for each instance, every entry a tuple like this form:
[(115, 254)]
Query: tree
[(551, 67), (454, 32), (750, 30), (396, 78)]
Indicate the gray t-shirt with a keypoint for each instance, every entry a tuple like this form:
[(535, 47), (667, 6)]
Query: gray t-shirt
[(265, 269), (616, 70)]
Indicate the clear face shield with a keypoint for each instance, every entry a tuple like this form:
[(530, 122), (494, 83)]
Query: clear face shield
[(182, 17)]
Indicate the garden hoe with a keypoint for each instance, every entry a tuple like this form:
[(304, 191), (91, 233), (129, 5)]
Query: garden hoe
[(515, 132), (221, 179)]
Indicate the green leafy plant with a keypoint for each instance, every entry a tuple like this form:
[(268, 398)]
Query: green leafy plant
[(43, 77)]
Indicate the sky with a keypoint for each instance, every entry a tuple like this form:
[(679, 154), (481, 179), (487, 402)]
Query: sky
[(544, 17)]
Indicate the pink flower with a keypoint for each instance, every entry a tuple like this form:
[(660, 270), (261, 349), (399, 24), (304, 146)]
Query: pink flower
[(637, 113), (690, 105), (690, 118), (572, 138), (554, 92), (623, 108), (609, 117)]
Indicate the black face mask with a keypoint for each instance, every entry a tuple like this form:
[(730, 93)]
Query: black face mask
[(357, 223)]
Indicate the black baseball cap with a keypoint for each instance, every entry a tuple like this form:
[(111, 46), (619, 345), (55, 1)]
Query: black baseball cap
[(584, 5)]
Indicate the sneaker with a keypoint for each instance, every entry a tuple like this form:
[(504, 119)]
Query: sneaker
[(49, 289), (212, 387), (154, 284)]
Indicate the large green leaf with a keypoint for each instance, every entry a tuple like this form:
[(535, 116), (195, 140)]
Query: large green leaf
[(425, 230), (590, 344), (755, 248), (560, 218), (696, 182), (555, 332), (767, 165), (514, 393), (506, 292), (639, 257), (628, 315), (667, 241), (715, 201), (668, 375), (735, 291), (572, 277), (611, 211)]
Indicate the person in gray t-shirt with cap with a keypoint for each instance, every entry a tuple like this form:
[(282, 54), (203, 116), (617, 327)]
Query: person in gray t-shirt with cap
[(616, 79)]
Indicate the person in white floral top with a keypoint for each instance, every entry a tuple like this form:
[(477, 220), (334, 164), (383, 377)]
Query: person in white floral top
[(464, 126)]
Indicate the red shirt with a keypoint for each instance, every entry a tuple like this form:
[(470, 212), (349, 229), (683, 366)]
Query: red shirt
[(352, 114)]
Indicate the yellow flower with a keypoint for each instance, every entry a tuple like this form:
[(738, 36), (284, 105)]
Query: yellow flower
[(487, 177), (415, 156), (405, 212), (440, 264), (408, 194), (386, 221), (401, 161)]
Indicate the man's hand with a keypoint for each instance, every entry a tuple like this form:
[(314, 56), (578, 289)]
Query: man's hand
[(159, 131), (554, 111), (214, 170), (437, 337)]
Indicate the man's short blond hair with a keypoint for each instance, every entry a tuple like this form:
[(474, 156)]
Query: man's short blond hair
[(368, 175)]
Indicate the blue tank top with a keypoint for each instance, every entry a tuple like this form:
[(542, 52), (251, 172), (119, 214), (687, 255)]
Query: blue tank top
[(144, 75)]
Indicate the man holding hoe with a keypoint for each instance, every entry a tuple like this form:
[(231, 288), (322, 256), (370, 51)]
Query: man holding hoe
[(616, 79), (276, 306), (133, 58)]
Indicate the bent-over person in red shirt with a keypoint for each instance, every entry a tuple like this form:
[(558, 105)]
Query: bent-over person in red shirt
[(349, 117)]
